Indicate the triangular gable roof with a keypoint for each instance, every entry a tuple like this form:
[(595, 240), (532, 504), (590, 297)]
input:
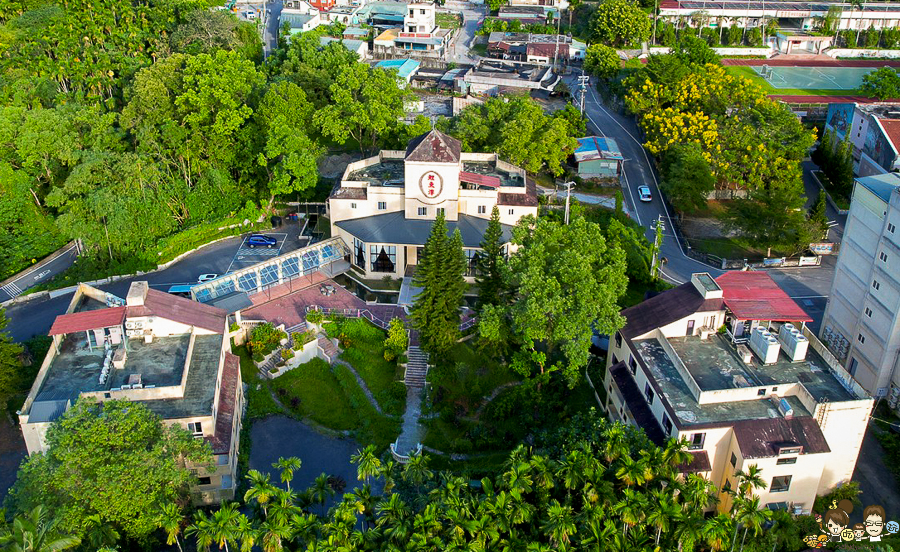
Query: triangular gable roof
[(434, 146), (179, 309), (87, 320)]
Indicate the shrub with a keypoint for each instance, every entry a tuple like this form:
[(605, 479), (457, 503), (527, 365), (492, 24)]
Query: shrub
[(258, 357), (396, 340), (234, 327), (344, 340), (274, 370), (315, 317), (287, 354), (398, 391), (295, 403), (264, 338)]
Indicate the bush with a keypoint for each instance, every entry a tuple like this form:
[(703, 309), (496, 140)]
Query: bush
[(396, 340), (192, 238), (264, 338), (234, 327), (315, 317), (287, 354), (398, 391), (258, 357), (273, 370)]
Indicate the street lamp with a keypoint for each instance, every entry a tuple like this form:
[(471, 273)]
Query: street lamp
[(568, 186)]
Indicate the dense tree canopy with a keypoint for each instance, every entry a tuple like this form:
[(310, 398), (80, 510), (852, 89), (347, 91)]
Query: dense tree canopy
[(882, 83), (602, 61), (620, 22), (115, 463)]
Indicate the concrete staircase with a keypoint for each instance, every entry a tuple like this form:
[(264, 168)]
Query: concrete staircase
[(327, 349), (276, 357), (416, 368)]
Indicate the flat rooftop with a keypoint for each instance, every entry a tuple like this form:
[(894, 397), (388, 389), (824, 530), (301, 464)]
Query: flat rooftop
[(490, 169), (76, 369), (391, 173), (499, 69), (200, 387), (714, 365)]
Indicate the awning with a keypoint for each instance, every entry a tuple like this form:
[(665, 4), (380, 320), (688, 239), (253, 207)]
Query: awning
[(480, 179), (756, 296), (87, 320)]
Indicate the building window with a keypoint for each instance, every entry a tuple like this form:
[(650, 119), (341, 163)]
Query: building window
[(353, 206), (883, 256), (472, 259), (667, 425), (195, 427), (423, 211), (727, 486), (697, 441), (875, 284), (440, 211), (789, 450), (648, 392), (384, 259), (733, 460), (780, 484), (783, 461), (422, 12), (854, 364), (482, 209), (868, 312), (774, 389), (633, 365), (618, 339), (861, 338), (891, 228), (382, 205), (204, 481), (512, 211), (359, 259), (761, 393)]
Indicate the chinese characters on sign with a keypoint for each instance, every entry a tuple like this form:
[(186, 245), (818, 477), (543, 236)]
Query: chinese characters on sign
[(431, 184)]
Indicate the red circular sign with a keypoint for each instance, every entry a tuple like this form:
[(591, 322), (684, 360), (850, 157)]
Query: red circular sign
[(431, 184)]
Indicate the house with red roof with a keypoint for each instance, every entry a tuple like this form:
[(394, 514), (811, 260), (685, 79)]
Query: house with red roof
[(170, 354), (728, 365)]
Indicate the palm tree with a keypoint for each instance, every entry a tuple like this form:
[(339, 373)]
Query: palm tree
[(753, 518), (171, 520), (284, 506), (35, 531), (416, 470), (261, 489), (100, 534), (750, 480), (367, 464), (634, 472), (783, 530), (203, 530), (560, 525), (287, 466), (688, 530), (631, 509), (615, 444), (274, 534), (364, 501), (225, 524), (394, 520), (715, 532), (321, 490), (247, 533), (662, 513)]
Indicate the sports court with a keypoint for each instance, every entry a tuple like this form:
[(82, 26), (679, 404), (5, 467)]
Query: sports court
[(813, 78)]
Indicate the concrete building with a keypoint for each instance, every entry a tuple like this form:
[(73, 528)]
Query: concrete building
[(405, 68), (525, 46), (419, 18), (492, 77), (729, 365), (361, 48), (418, 33), (598, 157), (794, 16), (171, 354), (862, 320), (874, 133), (549, 6), (525, 14), (304, 17), (320, 5), (385, 205)]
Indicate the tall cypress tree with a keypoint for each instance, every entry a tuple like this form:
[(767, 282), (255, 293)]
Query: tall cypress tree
[(435, 310), (490, 279)]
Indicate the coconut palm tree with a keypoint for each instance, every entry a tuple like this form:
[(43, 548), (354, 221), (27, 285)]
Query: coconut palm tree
[(225, 525), (416, 470), (171, 521), (287, 466), (715, 532), (559, 525), (35, 531), (662, 513), (752, 517), (203, 530), (367, 464), (261, 490)]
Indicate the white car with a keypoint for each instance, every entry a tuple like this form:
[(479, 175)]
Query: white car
[(206, 278), (644, 193)]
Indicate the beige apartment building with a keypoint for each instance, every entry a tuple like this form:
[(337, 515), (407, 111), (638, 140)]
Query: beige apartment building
[(862, 320), (386, 204), (172, 355), (729, 365)]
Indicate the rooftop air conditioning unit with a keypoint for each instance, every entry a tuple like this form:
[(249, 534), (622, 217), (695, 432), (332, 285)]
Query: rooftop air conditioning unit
[(705, 332)]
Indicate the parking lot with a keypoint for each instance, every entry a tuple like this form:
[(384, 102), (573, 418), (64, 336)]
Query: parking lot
[(288, 239)]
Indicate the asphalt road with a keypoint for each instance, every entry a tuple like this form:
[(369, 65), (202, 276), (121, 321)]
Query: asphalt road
[(473, 15), (36, 316), (38, 275), (270, 33)]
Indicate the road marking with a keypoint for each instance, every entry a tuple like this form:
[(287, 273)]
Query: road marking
[(12, 289)]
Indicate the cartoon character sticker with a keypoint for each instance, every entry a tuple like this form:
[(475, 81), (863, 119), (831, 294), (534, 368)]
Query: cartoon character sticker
[(836, 520), (873, 516), (859, 531)]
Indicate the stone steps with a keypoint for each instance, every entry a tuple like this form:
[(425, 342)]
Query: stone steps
[(328, 348), (416, 368)]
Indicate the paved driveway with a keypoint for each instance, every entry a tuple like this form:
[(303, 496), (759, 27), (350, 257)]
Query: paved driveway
[(877, 483)]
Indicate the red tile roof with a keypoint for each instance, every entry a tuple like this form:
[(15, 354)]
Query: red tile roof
[(87, 320), (179, 309), (756, 296), (434, 146), (892, 129), (480, 179), (763, 438), (528, 199), (544, 49), (221, 441)]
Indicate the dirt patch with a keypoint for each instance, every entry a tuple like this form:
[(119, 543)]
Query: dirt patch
[(333, 166), (12, 451), (705, 228)]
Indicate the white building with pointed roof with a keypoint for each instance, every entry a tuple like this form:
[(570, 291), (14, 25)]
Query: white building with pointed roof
[(386, 204)]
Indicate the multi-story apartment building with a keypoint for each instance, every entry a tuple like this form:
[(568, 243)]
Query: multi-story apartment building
[(862, 320), (385, 205), (874, 132), (168, 353), (729, 365)]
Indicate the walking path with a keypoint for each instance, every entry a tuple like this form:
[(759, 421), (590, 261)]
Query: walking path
[(361, 383), (497, 390), (411, 432)]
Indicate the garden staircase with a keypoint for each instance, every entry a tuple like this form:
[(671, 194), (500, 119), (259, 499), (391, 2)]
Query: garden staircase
[(276, 356), (416, 367), (327, 349)]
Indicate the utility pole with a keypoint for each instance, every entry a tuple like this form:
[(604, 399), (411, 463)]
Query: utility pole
[(583, 82), (660, 227), (568, 186)]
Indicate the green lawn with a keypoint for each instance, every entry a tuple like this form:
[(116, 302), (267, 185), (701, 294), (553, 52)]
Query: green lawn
[(447, 20), (749, 73), (259, 400), (365, 352), (372, 427), (311, 390)]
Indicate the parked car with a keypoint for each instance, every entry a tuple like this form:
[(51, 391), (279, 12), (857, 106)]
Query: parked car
[(644, 193), (206, 278), (258, 240)]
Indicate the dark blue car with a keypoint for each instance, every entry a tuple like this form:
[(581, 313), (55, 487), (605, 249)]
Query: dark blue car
[(258, 240)]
